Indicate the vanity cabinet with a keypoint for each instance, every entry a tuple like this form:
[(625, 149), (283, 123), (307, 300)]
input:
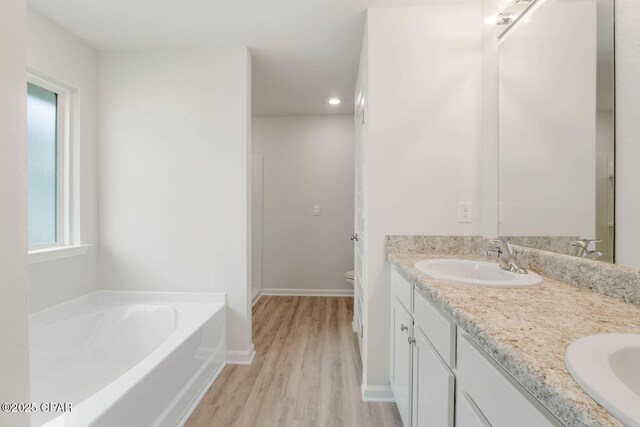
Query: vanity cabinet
[(467, 412), (441, 377), (401, 331), (421, 380)]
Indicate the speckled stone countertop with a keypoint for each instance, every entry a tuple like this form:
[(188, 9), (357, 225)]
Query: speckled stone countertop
[(528, 330)]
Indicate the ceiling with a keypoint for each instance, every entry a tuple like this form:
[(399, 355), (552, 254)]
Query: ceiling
[(303, 51)]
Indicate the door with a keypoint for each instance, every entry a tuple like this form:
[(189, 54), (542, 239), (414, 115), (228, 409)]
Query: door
[(433, 386), (401, 340), (359, 236)]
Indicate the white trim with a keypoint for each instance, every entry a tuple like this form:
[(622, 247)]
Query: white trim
[(256, 297), (58, 252), (63, 170), (242, 357), (377, 393), (196, 400), (308, 292)]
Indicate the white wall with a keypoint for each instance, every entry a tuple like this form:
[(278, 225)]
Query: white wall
[(14, 367), (55, 53), (256, 226), (174, 175), (627, 132), (423, 144), (308, 160), (547, 96)]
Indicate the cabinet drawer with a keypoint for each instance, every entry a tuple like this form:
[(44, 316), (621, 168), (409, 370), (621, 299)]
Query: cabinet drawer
[(402, 289), (440, 330), (497, 396)]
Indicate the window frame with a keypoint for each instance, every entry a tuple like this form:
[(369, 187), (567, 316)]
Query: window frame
[(63, 148)]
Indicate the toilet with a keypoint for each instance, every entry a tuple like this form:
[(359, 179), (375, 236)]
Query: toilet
[(349, 277)]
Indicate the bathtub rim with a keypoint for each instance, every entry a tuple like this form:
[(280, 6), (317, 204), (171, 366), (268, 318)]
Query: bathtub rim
[(58, 311)]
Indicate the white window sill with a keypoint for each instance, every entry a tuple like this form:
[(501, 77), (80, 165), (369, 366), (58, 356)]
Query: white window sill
[(51, 254)]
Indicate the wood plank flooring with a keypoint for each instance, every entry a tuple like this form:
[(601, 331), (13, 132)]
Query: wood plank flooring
[(306, 371)]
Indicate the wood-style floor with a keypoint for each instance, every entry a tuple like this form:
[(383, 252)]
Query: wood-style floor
[(306, 371)]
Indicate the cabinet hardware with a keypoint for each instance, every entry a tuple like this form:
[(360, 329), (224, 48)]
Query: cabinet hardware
[(411, 340), (404, 328)]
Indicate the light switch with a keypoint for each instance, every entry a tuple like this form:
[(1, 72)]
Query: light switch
[(316, 210)]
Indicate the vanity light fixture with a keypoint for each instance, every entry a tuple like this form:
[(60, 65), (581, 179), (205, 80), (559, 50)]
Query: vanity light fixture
[(500, 19), (334, 101), (491, 20), (505, 18)]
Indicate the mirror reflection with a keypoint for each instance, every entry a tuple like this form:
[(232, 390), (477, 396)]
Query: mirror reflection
[(556, 97)]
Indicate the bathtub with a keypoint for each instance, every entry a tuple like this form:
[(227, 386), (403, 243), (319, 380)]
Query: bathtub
[(125, 358)]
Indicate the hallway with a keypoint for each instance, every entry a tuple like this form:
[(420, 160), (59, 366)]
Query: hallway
[(306, 371)]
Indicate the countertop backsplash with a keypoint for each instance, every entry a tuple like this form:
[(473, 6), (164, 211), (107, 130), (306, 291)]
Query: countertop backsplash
[(613, 280)]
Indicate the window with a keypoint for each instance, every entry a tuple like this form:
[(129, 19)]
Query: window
[(46, 166), (53, 189)]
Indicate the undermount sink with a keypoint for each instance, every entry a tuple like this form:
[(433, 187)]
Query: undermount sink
[(479, 273), (607, 367)]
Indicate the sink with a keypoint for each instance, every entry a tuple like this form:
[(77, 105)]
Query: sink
[(479, 273), (607, 367)]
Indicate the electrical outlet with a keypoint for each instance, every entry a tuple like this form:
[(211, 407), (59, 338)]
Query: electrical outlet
[(316, 210), (465, 212)]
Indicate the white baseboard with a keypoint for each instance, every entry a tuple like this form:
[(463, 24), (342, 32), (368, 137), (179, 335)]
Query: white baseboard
[(256, 296), (242, 357), (308, 292), (377, 393)]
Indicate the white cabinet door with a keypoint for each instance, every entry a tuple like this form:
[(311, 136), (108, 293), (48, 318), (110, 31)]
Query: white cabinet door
[(401, 330), (433, 386), (467, 413)]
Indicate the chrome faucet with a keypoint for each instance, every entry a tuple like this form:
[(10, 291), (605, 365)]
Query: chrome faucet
[(582, 249), (506, 257)]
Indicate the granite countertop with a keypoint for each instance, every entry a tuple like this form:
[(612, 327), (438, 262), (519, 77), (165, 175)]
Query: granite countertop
[(528, 330)]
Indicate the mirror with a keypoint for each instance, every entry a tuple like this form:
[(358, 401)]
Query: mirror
[(556, 114)]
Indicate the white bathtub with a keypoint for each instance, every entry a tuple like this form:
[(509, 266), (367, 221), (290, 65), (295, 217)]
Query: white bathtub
[(126, 358)]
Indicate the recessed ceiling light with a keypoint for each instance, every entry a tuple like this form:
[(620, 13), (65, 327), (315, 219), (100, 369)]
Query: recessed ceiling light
[(334, 101)]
